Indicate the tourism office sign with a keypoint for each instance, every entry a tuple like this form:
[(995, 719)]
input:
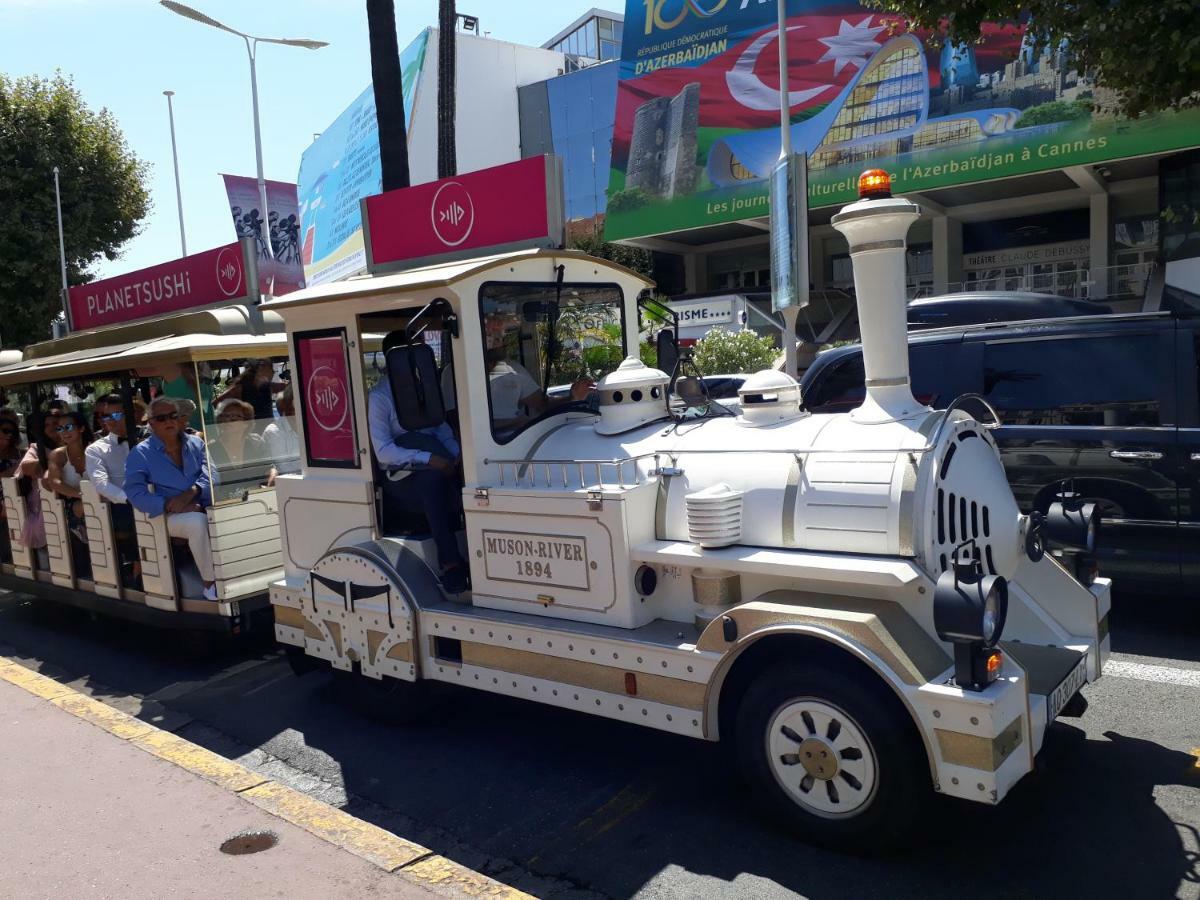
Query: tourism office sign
[(696, 133)]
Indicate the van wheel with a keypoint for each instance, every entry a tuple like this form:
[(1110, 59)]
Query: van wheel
[(386, 700), (836, 757)]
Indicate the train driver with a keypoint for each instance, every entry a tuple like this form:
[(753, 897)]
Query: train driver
[(176, 465), (420, 476)]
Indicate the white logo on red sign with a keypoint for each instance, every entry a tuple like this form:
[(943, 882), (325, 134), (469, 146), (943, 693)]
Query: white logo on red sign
[(327, 399), (229, 271), (452, 214)]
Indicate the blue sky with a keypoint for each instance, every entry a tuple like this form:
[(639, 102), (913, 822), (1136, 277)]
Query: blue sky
[(124, 53)]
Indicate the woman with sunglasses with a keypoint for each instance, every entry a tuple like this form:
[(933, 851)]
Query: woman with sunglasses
[(66, 471), (236, 449)]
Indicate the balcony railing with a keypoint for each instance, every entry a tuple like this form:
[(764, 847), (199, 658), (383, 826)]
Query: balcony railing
[(1110, 283)]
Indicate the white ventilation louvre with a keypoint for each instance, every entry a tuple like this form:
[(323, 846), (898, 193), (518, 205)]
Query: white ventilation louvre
[(715, 516)]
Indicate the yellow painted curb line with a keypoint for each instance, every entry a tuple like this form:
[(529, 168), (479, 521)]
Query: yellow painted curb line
[(389, 852)]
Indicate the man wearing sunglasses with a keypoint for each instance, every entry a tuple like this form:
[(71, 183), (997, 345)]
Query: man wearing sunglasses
[(175, 464), (105, 460)]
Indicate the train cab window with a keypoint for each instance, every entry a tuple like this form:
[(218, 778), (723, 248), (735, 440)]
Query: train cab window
[(545, 345), (248, 424)]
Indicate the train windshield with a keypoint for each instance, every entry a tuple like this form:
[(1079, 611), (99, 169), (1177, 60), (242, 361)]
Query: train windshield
[(545, 346)]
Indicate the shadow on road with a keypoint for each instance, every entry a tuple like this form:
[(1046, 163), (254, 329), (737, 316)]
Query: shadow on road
[(510, 787)]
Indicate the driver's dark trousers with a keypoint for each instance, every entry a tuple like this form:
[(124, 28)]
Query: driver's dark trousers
[(436, 495)]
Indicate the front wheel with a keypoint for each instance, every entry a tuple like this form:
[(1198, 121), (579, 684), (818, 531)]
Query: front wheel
[(834, 754)]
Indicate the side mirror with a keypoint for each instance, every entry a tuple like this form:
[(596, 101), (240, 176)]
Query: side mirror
[(666, 345)]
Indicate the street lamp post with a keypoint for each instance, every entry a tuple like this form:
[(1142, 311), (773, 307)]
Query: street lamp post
[(252, 43), (175, 160)]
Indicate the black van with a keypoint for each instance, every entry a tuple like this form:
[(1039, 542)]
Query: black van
[(1110, 401)]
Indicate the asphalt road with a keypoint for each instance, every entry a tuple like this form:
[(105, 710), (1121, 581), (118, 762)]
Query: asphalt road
[(570, 806)]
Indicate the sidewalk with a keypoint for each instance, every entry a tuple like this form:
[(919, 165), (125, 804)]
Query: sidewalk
[(87, 814)]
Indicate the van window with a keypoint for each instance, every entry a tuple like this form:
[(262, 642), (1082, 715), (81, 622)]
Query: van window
[(1101, 381), (842, 388)]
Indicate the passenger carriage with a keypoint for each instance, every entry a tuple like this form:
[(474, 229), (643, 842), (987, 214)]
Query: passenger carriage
[(854, 600), (148, 576)]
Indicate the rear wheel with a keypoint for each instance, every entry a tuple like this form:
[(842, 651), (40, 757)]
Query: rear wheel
[(834, 755)]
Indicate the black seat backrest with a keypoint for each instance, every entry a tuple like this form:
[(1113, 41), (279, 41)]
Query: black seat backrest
[(416, 386)]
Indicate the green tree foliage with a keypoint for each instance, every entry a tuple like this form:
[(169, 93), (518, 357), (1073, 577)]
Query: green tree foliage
[(1054, 111), (635, 258), (44, 123), (733, 352), (1148, 51)]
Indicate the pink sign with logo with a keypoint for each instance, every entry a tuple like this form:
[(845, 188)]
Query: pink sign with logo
[(213, 276), (506, 207), (328, 420)]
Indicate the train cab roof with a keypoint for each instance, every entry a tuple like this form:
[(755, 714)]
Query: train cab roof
[(219, 333), (422, 282)]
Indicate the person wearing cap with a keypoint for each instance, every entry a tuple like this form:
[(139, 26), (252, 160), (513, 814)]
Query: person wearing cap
[(175, 464), (420, 474)]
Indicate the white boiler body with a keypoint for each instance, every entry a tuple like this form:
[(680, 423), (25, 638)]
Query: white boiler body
[(827, 482)]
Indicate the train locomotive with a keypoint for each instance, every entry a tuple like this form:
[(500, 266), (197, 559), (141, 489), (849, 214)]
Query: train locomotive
[(853, 601)]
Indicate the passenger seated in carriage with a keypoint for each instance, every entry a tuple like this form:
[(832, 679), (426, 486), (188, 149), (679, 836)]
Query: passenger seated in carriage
[(420, 474), (43, 438), (175, 464), (105, 459), (66, 470)]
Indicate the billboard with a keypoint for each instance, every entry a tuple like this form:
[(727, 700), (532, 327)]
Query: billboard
[(339, 169), (282, 273), (697, 117)]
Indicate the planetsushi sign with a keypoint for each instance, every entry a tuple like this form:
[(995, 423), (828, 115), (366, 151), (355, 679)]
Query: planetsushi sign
[(697, 120), (222, 275)]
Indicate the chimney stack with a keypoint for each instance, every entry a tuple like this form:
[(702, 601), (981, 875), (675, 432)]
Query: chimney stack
[(875, 228)]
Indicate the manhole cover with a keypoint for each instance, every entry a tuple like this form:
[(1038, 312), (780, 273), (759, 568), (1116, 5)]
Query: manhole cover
[(250, 842)]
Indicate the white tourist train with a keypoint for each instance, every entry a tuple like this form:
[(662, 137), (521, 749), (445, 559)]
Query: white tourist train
[(854, 601)]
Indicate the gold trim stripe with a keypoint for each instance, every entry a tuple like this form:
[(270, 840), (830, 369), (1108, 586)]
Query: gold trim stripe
[(593, 676), (289, 617), (975, 752)]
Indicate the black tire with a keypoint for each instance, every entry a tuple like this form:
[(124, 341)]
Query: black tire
[(386, 700), (902, 786), (300, 662)]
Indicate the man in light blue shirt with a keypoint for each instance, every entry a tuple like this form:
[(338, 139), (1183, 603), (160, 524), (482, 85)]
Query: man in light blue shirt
[(176, 465), (420, 476)]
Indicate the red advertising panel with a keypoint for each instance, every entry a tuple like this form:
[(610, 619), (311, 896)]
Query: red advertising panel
[(325, 398), (214, 276), (506, 207)]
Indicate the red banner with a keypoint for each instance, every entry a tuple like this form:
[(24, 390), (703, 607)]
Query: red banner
[(506, 207), (280, 271), (328, 423), (214, 276)]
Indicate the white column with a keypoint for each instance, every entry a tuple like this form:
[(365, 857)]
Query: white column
[(1100, 231), (947, 253)]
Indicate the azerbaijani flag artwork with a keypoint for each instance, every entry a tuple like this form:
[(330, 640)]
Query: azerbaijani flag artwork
[(698, 109)]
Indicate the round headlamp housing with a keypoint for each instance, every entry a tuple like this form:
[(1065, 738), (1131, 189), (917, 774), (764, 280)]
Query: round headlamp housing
[(1072, 523)]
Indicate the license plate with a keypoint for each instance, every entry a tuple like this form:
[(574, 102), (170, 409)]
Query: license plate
[(1066, 690)]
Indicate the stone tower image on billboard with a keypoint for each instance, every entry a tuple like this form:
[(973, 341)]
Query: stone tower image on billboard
[(662, 151)]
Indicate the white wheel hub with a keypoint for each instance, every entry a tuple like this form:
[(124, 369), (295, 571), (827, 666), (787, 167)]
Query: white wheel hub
[(821, 758)]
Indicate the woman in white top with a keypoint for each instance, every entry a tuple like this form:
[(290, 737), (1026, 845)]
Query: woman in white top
[(66, 468)]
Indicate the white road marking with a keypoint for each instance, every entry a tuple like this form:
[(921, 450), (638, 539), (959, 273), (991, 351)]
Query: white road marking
[(1161, 674)]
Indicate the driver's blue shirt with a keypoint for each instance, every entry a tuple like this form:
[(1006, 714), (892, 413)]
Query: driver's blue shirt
[(385, 427)]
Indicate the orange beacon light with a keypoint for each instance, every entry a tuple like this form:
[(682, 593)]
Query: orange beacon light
[(874, 184)]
